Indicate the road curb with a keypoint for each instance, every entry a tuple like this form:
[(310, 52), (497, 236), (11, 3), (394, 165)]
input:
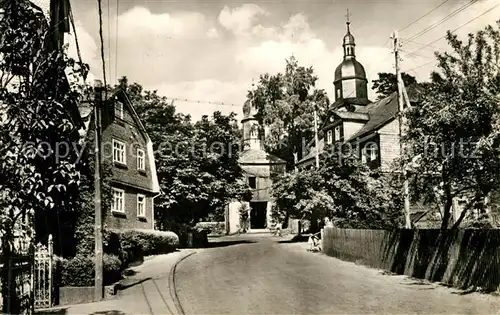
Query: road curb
[(171, 285)]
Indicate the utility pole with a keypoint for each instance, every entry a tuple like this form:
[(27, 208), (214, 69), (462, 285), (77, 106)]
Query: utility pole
[(316, 142), (98, 285), (406, 193)]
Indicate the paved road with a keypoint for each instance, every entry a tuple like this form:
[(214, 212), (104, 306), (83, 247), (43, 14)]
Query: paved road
[(267, 277)]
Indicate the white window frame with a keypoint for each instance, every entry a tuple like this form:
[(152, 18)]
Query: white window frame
[(114, 205), (371, 152), (143, 203), (119, 108), (337, 133), (141, 159), (122, 151), (329, 136)]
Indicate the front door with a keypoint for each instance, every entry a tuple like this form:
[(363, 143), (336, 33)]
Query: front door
[(258, 215)]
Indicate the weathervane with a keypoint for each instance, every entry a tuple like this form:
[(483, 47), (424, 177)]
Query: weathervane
[(348, 20)]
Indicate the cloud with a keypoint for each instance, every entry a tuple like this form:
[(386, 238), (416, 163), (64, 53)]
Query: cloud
[(213, 33), (296, 38), (240, 20), (139, 21)]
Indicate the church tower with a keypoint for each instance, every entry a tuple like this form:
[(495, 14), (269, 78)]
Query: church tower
[(350, 78), (252, 131)]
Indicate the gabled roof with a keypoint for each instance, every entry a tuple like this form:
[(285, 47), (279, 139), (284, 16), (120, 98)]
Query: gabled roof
[(254, 156), (351, 115), (380, 113), (349, 101), (86, 113)]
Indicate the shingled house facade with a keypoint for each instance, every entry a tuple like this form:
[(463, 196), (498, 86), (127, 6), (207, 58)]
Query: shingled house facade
[(127, 147)]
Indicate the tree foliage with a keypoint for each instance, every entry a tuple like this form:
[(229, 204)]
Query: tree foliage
[(454, 136), (345, 191), (196, 163), (39, 140), (285, 103), (386, 84)]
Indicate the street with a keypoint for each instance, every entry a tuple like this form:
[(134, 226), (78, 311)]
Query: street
[(258, 275)]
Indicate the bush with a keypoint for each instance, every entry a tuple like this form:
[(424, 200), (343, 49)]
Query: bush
[(216, 228), (198, 233), (132, 245), (79, 271)]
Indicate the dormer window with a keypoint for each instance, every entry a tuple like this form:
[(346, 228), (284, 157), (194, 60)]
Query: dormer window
[(119, 110), (329, 136)]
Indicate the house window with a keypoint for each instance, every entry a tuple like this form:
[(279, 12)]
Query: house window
[(119, 152), (329, 137), (141, 206), (119, 110), (370, 153), (338, 93), (118, 200), (337, 133), (252, 182), (141, 165)]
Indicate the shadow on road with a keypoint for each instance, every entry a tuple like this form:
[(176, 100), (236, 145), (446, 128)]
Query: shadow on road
[(228, 243), (113, 312), (58, 311), (296, 239), (128, 283)]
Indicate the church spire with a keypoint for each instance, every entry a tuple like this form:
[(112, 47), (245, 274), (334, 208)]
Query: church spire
[(349, 44)]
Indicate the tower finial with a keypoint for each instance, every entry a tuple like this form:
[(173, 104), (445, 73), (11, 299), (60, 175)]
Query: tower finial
[(348, 19)]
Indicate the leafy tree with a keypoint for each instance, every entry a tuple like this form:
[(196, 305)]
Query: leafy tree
[(344, 190), (454, 136), (38, 134), (197, 164), (386, 84), (285, 104)]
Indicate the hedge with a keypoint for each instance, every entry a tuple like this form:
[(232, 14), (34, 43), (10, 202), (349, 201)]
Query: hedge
[(133, 245), (79, 271), (121, 248), (215, 228)]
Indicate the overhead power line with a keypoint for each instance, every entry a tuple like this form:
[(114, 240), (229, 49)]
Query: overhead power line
[(446, 18), (72, 20), (420, 18), (454, 30), (423, 65), (202, 102)]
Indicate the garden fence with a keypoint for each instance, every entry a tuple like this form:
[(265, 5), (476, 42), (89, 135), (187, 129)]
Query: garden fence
[(461, 258)]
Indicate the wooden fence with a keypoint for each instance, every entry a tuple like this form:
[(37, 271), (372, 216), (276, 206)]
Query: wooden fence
[(461, 258)]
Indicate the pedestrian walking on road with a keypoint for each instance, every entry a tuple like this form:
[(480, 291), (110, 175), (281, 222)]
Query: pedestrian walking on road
[(278, 229)]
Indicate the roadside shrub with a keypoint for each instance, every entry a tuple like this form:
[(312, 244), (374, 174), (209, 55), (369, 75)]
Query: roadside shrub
[(132, 245), (79, 271), (158, 242), (199, 235), (215, 228)]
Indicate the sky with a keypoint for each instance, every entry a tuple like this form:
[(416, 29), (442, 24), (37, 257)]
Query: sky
[(209, 51)]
